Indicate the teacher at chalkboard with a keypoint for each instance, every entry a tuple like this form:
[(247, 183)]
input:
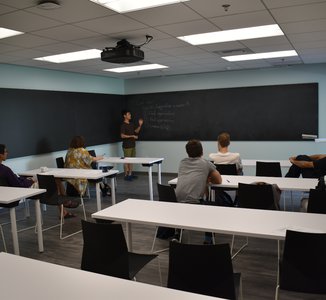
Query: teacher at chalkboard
[(129, 135)]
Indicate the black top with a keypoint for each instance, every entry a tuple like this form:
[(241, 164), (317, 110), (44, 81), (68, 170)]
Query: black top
[(128, 129), (320, 166)]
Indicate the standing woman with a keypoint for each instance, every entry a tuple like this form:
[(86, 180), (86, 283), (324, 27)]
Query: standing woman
[(78, 157)]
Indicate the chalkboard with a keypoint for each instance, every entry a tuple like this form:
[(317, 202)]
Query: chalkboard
[(35, 122), (263, 113)]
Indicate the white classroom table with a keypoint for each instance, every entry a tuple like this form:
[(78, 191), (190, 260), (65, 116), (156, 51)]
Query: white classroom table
[(144, 161), (269, 224), (10, 195), (65, 173), (284, 183), (25, 278)]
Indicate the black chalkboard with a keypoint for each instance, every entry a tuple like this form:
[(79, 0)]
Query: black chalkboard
[(263, 113), (35, 122)]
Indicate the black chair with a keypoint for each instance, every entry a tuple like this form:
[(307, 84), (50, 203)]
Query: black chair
[(203, 269), (268, 169), (258, 196), (254, 196), (227, 169), (105, 251), (302, 267), (166, 193), (51, 197), (60, 162), (317, 202)]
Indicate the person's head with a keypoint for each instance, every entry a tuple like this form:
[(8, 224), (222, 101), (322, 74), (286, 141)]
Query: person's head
[(223, 140), (126, 114), (77, 141), (3, 152), (194, 148)]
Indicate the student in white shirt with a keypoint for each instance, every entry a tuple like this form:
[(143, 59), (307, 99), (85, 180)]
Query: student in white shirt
[(223, 156)]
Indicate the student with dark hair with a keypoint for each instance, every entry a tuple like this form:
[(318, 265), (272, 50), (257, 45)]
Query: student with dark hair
[(78, 157), (313, 166), (223, 156), (8, 175), (129, 134), (194, 174)]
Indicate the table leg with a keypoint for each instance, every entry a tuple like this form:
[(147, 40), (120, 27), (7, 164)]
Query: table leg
[(129, 236), (39, 225), (98, 196), (159, 178), (150, 183), (14, 230), (113, 190)]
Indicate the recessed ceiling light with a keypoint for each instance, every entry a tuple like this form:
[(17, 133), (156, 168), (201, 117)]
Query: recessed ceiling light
[(136, 68), (123, 6), (5, 32), (265, 55), (72, 56), (233, 35)]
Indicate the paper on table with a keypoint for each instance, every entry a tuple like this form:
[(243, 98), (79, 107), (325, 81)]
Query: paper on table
[(301, 229)]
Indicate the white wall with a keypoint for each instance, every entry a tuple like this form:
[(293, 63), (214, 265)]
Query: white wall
[(174, 151)]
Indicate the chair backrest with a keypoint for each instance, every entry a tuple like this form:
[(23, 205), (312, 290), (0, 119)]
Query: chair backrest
[(60, 162), (227, 169), (92, 153), (105, 250), (50, 197), (3, 181), (259, 196), (268, 169), (317, 202), (303, 265), (203, 269), (166, 193)]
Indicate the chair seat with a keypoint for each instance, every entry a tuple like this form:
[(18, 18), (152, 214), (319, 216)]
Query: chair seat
[(137, 261)]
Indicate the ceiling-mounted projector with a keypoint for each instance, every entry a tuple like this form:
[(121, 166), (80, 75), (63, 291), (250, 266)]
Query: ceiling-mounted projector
[(124, 52)]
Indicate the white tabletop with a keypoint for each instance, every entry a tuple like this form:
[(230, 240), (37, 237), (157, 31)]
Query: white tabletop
[(71, 173), (284, 183), (12, 194), (130, 160), (240, 221), (25, 278)]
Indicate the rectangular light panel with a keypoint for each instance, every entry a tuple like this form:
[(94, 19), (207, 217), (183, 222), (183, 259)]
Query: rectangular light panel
[(264, 55), (72, 56), (123, 6), (233, 35), (136, 68), (5, 32)]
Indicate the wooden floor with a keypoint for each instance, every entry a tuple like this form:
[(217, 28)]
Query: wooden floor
[(257, 263)]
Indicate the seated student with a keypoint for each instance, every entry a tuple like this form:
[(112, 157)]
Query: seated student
[(15, 181), (78, 157), (7, 174), (223, 156), (313, 166), (193, 176)]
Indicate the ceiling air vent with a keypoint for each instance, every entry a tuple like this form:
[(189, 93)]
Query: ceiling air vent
[(234, 52)]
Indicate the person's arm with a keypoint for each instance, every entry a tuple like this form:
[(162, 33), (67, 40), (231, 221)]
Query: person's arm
[(301, 163), (140, 122), (15, 181), (317, 156), (125, 136), (215, 177), (97, 158)]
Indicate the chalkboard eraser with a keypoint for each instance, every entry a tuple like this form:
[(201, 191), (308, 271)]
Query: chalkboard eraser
[(309, 136), (122, 157)]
